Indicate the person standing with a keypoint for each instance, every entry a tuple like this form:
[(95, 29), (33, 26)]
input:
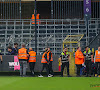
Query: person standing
[(45, 62), (15, 49), (23, 56), (32, 60), (50, 59), (88, 57), (79, 60), (97, 61), (37, 18), (65, 58)]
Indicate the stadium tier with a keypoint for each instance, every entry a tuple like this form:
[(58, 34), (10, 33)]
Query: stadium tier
[(50, 33), (55, 9)]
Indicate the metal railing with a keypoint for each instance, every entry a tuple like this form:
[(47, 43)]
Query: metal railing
[(93, 28), (62, 9), (50, 33)]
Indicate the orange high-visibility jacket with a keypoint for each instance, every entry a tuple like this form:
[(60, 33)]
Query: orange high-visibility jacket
[(32, 57), (22, 53), (48, 56), (43, 60), (79, 58), (33, 19), (97, 56)]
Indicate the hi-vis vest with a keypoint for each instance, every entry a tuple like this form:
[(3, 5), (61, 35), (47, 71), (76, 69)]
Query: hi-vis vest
[(48, 56), (43, 60), (97, 56), (88, 56), (22, 53), (79, 58), (64, 57), (33, 19), (32, 57)]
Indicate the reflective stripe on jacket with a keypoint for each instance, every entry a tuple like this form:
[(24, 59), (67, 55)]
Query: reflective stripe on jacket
[(97, 56), (32, 57), (87, 55), (22, 53), (37, 19), (49, 56), (65, 57), (43, 60)]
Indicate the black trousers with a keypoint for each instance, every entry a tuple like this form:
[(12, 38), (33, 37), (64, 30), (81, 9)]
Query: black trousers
[(50, 68), (88, 67), (32, 65), (63, 66), (79, 66), (98, 68), (45, 66)]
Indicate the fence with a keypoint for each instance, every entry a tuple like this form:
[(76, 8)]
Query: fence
[(62, 9), (51, 33), (10, 9), (93, 28)]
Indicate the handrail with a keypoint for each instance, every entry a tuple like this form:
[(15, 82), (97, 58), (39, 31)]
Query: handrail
[(94, 39)]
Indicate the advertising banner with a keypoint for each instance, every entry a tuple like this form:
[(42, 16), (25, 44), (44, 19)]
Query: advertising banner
[(16, 65), (11, 63)]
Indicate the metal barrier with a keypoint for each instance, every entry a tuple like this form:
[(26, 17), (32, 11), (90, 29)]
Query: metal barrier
[(51, 33), (93, 28), (10, 9), (62, 9)]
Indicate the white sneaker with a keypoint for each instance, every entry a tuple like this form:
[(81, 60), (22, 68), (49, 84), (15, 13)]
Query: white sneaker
[(40, 76), (49, 75)]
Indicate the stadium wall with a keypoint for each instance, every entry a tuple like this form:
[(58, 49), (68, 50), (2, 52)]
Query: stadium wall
[(9, 64)]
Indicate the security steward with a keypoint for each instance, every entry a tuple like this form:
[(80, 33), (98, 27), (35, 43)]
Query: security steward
[(97, 61), (37, 18), (32, 60), (88, 58), (64, 59), (79, 60), (23, 56), (45, 62), (50, 59)]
